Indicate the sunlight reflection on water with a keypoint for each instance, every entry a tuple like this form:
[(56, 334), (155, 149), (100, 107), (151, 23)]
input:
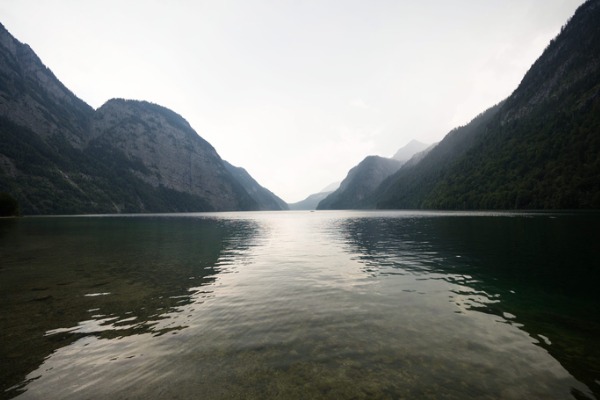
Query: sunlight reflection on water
[(275, 305)]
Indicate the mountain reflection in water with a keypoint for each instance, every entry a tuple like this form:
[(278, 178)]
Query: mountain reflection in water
[(64, 279), (540, 272), (301, 305)]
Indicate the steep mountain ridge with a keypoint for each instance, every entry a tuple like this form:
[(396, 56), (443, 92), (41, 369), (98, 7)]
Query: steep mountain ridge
[(31, 96), (406, 152), (312, 201), (538, 149), (265, 199), (569, 60), (360, 182), (356, 190), (168, 152), (59, 156), (542, 151), (406, 188)]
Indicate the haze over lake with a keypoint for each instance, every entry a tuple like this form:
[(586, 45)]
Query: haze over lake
[(287, 305)]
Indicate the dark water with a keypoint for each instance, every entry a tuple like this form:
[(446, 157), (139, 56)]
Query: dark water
[(299, 305)]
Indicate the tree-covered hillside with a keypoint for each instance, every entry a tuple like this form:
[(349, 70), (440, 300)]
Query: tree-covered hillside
[(539, 149), (407, 187), (360, 183)]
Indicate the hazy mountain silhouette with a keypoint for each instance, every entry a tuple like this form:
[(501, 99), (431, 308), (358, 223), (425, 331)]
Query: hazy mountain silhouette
[(359, 184), (312, 201), (406, 152), (356, 190)]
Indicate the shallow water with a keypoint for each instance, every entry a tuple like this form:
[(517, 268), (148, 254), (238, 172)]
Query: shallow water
[(285, 305)]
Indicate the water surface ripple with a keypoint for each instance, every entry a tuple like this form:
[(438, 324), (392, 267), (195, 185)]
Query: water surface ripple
[(284, 305)]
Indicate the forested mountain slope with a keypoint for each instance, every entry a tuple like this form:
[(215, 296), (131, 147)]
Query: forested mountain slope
[(539, 149), (356, 190), (359, 184)]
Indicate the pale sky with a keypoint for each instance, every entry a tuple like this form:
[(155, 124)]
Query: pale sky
[(296, 92)]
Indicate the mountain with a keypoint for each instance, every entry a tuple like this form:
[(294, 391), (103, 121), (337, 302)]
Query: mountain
[(417, 157), (409, 150), (414, 180), (362, 180), (309, 203), (538, 149), (265, 199), (32, 98), (313, 200), (360, 183), (331, 187), (60, 156)]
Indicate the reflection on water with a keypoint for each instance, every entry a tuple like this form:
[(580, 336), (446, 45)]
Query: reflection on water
[(301, 305), (539, 272), (68, 278)]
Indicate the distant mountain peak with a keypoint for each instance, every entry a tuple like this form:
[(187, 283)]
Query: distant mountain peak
[(537, 149), (410, 149), (360, 183), (331, 187)]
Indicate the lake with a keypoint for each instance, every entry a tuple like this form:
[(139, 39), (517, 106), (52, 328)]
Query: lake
[(301, 305)]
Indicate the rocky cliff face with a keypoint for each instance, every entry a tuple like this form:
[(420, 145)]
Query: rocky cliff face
[(58, 155), (169, 151)]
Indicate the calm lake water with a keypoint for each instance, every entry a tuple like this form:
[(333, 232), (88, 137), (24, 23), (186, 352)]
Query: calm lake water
[(301, 305)]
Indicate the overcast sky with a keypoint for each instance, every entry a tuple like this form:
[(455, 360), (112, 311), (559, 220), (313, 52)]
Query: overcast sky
[(296, 92)]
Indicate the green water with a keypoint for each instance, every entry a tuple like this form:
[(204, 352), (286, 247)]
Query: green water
[(298, 305)]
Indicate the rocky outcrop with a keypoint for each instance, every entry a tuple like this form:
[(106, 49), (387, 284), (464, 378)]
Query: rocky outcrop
[(169, 152)]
